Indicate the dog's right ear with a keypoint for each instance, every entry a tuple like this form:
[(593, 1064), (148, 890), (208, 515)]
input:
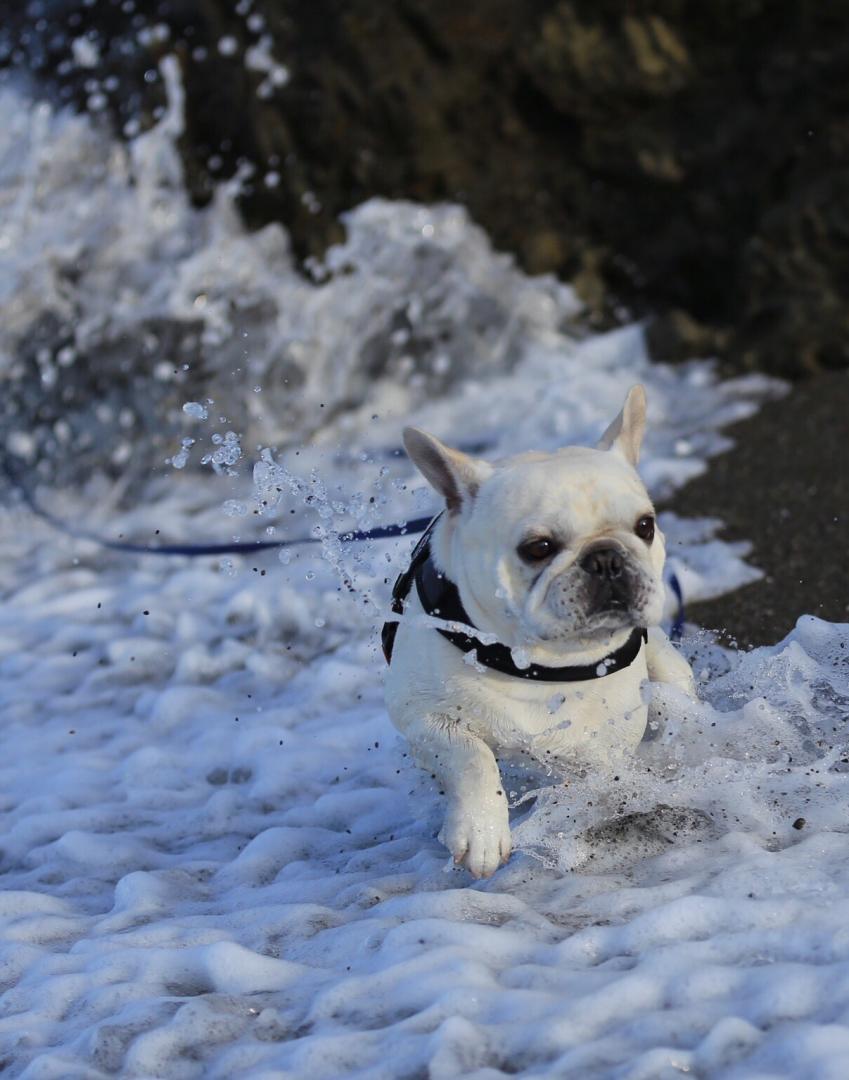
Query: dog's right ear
[(455, 475)]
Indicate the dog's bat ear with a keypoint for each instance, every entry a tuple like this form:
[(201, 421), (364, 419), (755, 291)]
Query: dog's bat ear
[(625, 434), (455, 475)]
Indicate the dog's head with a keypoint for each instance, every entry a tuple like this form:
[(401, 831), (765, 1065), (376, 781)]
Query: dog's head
[(548, 548)]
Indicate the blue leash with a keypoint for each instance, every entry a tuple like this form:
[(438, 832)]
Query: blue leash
[(244, 547), (247, 547), (676, 631)]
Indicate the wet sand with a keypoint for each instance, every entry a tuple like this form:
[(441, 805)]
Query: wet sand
[(785, 487)]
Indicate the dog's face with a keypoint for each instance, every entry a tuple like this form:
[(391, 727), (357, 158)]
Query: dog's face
[(552, 547)]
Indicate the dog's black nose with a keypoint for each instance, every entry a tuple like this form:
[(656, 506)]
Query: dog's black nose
[(606, 563)]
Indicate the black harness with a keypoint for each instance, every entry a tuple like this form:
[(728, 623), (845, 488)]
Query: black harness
[(440, 597)]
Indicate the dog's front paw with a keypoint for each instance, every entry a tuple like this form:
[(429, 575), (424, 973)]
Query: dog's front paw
[(478, 836)]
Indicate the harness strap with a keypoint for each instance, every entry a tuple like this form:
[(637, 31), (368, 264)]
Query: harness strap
[(403, 585), (440, 597)]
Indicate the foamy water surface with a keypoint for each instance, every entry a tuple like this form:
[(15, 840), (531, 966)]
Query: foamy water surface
[(217, 857)]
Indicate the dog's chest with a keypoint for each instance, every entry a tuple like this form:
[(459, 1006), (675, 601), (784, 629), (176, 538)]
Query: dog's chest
[(430, 677), (558, 719)]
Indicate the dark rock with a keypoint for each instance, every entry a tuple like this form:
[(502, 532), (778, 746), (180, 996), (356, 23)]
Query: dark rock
[(87, 407), (688, 161)]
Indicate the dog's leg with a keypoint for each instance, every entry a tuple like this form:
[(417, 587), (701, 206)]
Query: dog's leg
[(476, 829), (666, 664)]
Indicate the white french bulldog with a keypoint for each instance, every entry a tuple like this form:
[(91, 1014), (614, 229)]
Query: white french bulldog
[(556, 557)]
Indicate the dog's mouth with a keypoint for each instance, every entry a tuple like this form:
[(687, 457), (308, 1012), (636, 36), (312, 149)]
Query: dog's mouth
[(610, 595), (612, 616), (591, 624), (584, 605)]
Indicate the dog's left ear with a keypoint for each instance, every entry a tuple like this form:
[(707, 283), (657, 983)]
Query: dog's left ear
[(625, 434), (455, 475)]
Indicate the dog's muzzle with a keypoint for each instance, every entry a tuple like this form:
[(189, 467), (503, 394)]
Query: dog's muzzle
[(609, 582)]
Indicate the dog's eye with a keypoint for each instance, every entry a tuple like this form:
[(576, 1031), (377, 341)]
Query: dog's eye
[(645, 528), (533, 551)]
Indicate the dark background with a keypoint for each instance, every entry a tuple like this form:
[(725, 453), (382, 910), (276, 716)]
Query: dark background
[(686, 160)]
